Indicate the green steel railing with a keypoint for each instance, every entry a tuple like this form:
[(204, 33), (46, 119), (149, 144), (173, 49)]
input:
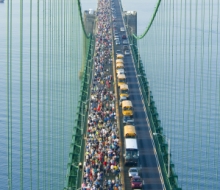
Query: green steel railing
[(76, 153), (155, 124)]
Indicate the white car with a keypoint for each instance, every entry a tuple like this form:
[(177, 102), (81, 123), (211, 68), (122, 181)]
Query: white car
[(117, 42), (122, 99), (132, 172), (116, 38), (125, 42), (127, 52), (120, 71), (122, 29)]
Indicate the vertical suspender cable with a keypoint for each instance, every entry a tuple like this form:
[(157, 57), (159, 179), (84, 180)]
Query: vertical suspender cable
[(21, 94), (163, 49), (158, 57), (60, 66), (10, 58), (44, 94), (188, 94), (180, 71), (58, 91), (62, 152), (208, 108), (30, 78), (195, 90), (201, 88), (11, 127), (70, 123), (210, 83), (217, 87), (49, 97), (38, 61), (184, 84), (52, 91), (168, 103), (207, 89), (175, 124), (8, 96), (184, 87), (172, 74), (166, 54), (78, 50), (55, 102)]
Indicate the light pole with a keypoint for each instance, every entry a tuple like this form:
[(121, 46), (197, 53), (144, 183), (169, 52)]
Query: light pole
[(149, 94), (168, 141)]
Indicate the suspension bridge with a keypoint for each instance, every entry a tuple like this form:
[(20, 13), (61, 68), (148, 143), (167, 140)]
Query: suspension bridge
[(47, 62)]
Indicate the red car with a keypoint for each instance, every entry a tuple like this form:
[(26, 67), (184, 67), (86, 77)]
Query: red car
[(136, 182), (124, 36)]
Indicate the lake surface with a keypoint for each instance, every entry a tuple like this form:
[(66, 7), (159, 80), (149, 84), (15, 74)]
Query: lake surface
[(35, 151)]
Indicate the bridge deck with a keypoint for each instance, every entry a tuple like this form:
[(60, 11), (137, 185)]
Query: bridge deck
[(100, 140)]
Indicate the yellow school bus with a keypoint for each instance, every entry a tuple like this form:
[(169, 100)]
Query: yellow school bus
[(127, 108), (129, 131), (121, 79), (120, 56), (124, 91), (119, 66), (119, 61)]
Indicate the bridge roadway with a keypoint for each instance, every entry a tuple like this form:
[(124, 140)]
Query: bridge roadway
[(147, 164)]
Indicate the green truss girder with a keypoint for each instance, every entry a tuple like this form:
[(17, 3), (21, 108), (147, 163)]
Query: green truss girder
[(155, 123)]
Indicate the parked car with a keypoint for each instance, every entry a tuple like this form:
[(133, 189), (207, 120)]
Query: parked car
[(125, 47), (122, 29), (116, 37), (125, 42), (136, 182), (132, 172), (120, 71), (128, 120), (127, 52), (117, 42), (124, 36), (122, 99), (118, 52)]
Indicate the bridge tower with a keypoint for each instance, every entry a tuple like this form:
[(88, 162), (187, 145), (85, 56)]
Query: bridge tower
[(130, 18), (89, 20)]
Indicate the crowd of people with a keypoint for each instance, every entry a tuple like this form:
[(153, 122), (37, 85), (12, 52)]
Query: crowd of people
[(101, 167)]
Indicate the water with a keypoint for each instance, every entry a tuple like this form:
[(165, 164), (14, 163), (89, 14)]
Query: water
[(181, 58), (41, 159)]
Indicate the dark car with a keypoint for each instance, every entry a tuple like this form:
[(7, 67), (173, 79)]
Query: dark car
[(118, 52), (125, 47), (124, 36), (128, 120), (136, 182)]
